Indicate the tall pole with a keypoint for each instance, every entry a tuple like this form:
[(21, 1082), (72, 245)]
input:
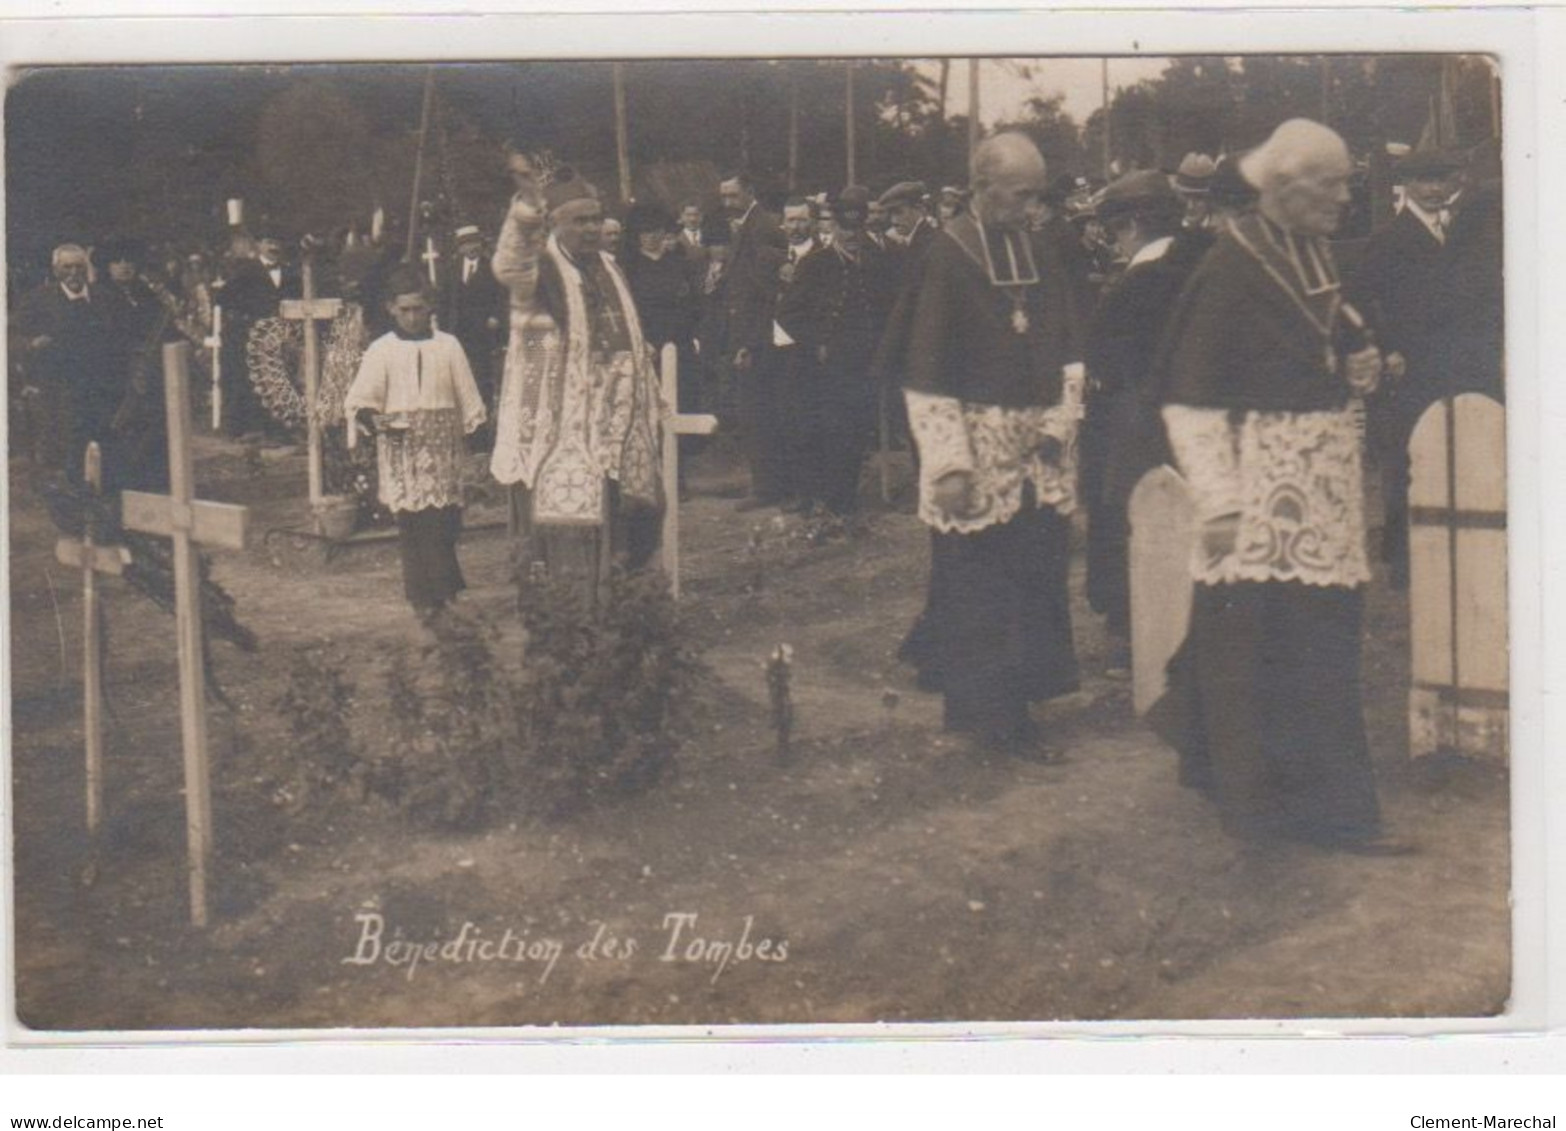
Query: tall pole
[(975, 131), (622, 144), (1104, 79), (793, 127), (418, 164), (312, 376), (848, 85)]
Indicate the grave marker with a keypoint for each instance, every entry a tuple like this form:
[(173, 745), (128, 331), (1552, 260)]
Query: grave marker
[(675, 425), (1163, 533), (189, 523), (92, 559), (309, 310), (1457, 579)]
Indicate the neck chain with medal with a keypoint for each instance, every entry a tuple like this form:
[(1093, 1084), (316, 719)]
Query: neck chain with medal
[(1013, 277), (1301, 289)]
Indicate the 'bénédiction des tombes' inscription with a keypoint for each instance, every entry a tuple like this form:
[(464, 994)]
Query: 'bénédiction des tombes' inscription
[(683, 938)]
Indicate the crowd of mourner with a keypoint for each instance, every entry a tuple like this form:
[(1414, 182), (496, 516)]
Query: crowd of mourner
[(1037, 341)]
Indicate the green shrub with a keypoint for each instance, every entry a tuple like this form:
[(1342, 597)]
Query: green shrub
[(452, 731), (316, 707), (605, 696)]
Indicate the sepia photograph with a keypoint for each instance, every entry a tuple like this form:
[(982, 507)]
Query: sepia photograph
[(757, 541)]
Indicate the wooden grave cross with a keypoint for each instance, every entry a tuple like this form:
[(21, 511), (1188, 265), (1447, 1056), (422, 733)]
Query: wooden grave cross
[(189, 523), (430, 257), (675, 425), (214, 342), (309, 309), (92, 559), (1457, 579)]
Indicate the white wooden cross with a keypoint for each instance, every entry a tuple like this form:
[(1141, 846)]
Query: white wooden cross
[(92, 559), (214, 342), (430, 256), (308, 310), (190, 523), (675, 425)]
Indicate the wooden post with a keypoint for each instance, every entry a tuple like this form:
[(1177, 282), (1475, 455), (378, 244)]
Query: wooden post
[(848, 88), (884, 443), (1104, 83), (622, 141), (93, 560), (975, 131), (793, 128), (189, 523), (418, 163), (214, 342), (675, 425), (307, 310)]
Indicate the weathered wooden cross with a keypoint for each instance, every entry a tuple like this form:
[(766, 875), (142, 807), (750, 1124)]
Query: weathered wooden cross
[(92, 559), (214, 342), (190, 523), (1457, 579), (309, 310), (675, 425)]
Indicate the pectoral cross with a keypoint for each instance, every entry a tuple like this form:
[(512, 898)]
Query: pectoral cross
[(309, 310), (190, 523), (92, 559), (675, 425)]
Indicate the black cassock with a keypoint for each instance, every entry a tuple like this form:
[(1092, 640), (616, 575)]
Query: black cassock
[(996, 632), (1263, 703)]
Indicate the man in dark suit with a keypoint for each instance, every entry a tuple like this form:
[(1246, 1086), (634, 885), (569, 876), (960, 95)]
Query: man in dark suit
[(1404, 285), (252, 292), (1121, 436), (473, 306), (797, 418), (65, 333), (750, 291), (834, 311)]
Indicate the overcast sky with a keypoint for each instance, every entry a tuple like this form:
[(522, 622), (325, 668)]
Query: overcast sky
[(1002, 92)]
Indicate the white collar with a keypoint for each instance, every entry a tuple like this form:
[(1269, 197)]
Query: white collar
[(84, 296), (1431, 220), (1151, 252)]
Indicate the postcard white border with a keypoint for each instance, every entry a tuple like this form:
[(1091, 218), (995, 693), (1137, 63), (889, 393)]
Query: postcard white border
[(1532, 95)]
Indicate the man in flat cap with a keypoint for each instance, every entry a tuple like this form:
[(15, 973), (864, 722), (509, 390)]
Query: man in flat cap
[(1404, 282), (1258, 364), (1122, 437), (992, 340), (1193, 180), (834, 311), (577, 436)]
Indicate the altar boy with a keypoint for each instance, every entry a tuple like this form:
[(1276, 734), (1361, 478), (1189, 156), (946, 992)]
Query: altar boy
[(416, 395)]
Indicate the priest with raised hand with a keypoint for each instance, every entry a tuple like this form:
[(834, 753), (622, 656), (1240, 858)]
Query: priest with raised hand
[(992, 345), (1260, 360), (578, 416)]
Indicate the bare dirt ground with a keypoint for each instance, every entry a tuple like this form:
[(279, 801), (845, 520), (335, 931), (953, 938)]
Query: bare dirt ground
[(894, 877)]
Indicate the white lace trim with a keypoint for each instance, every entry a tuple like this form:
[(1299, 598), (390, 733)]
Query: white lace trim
[(1000, 448), (1294, 480)]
